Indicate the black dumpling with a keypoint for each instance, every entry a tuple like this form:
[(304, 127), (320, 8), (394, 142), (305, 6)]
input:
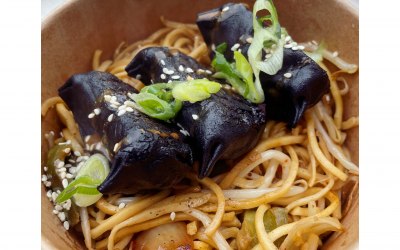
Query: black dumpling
[(152, 155), (225, 126)]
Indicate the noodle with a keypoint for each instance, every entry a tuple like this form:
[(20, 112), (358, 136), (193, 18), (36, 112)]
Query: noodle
[(301, 169)]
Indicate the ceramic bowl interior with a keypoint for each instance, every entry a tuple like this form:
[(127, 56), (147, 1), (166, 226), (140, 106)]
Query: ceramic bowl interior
[(72, 33)]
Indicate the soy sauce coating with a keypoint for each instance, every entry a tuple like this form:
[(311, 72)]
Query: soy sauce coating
[(147, 154), (224, 126), (286, 98)]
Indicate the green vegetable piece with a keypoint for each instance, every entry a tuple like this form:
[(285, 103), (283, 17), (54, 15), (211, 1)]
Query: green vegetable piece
[(221, 48), (84, 188), (195, 90), (56, 152)]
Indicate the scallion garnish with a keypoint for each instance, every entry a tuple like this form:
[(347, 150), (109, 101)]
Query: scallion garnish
[(164, 100)]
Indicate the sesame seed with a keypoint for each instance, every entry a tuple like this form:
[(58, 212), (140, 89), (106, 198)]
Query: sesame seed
[(138, 76), (225, 9), (66, 225), (61, 216), (288, 39), (58, 207), (162, 62), (129, 109), (122, 107), (294, 43), (62, 175), (287, 75), (288, 46), (113, 98), (107, 98), (121, 206), (167, 71), (295, 48), (97, 111), (117, 146), (213, 47), (54, 196), (235, 46), (163, 76), (72, 170), (181, 68), (62, 169), (69, 176), (60, 164), (91, 115), (169, 81), (48, 194), (77, 153), (121, 112), (208, 72), (67, 150), (249, 39), (195, 117), (172, 216), (110, 117), (45, 168), (113, 106), (189, 70), (335, 54), (189, 78), (300, 47), (175, 77), (44, 178), (65, 183), (55, 211), (47, 183), (200, 71), (314, 42), (240, 50)]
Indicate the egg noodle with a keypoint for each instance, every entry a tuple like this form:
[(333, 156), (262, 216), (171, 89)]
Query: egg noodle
[(301, 170)]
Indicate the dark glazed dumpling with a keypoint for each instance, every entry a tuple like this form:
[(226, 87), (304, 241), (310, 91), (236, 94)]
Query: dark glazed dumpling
[(224, 126), (147, 153), (300, 83)]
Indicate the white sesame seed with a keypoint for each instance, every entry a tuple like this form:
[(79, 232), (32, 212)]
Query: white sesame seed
[(71, 161), (54, 196), (58, 207), (60, 164), (225, 9), (85, 157), (97, 111), (47, 183), (288, 46), (44, 178), (121, 112), (122, 107), (295, 48), (314, 42), (249, 39), (65, 183), (67, 150), (163, 76), (45, 169), (200, 71), (62, 175), (167, 71), (212, 47), (294, 43), (189, 70), (195, 117), (235, 46), (48, 194), (113, 106), (301, 47), (181, 68), (121, 206), (129, 109), (240, 50), (77, 153), (117, 146), (107, 98), (208, 72), (69, 176), (288, 39), (335, 54), (175, 77), (68, 165), (72, 170), (62, 169), (66, 225), (287, 75), (138, 76), (162, 62), (189, 78), (172, 216), (113, 98), (55, 211), (169, 81), (110, 117), (91, 115), (61, 216)]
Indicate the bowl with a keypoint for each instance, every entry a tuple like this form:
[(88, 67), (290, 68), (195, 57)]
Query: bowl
[(74, 31)]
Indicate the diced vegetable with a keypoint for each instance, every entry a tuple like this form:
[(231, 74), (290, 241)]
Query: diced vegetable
[(273, 218)]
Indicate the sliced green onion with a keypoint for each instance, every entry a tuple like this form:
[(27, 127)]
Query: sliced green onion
[(269, 39), (164, 100), (195, 90), (83, 189)]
